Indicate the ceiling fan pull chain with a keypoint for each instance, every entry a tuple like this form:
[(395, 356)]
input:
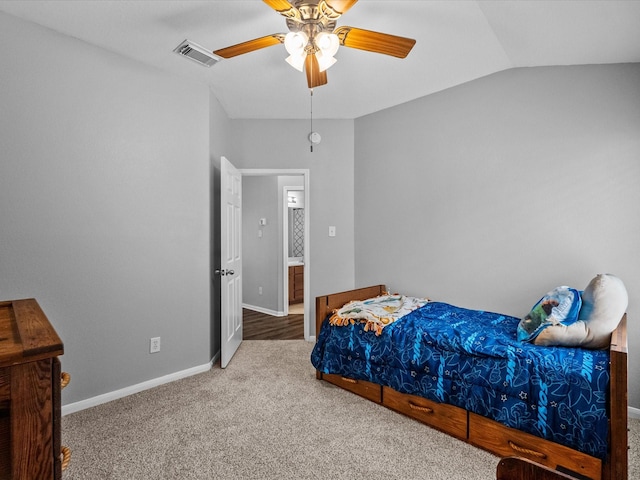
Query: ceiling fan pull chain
[(314, 137), (311, 115)]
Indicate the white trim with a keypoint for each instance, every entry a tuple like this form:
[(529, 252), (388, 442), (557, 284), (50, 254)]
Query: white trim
[(285, 249), (253, 172), (214, 360), (634, 412), (125, 392), (307, 256), (266, 311)]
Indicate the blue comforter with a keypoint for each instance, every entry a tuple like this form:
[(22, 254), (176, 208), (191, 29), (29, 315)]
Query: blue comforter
[(472, 359)]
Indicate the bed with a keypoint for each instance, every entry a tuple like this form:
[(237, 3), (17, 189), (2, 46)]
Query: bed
[(436, 386)]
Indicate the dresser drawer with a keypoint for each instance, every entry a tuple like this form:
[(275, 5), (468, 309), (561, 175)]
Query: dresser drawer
[(504, 441), (368, 390), (449, 419)]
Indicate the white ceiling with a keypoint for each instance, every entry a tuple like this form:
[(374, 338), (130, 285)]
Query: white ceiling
[(457, 41)]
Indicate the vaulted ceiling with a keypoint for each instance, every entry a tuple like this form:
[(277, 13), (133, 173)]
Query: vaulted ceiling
[(457, 41)]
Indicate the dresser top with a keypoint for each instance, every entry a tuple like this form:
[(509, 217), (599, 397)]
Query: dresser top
[(25, 333)]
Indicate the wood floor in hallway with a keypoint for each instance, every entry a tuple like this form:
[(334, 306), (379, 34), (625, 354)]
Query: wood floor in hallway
[(260, 326)]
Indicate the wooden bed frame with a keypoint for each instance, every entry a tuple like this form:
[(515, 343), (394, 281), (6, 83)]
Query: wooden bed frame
[(491, 435), (518, 468)]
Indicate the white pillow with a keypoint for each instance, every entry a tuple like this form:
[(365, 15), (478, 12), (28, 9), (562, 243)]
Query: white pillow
[(604, 301)]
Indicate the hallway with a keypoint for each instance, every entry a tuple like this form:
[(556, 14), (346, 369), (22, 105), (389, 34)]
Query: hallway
[(260, 326)]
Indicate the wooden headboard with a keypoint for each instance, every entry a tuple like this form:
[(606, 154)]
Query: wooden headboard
[(326, 304)]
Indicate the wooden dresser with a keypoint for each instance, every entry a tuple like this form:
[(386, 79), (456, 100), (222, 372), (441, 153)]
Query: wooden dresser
[(30, 384)]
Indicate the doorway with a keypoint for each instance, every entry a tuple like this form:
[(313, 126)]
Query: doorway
[(293, 247), (260, 231)]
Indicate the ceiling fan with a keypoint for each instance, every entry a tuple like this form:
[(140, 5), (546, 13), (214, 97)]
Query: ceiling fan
[(313, 38)]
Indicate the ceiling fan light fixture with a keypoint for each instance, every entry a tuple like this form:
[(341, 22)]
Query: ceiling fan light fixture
[(328, 43), (295, 42), (324, 61), (297, 61), (313, 39)]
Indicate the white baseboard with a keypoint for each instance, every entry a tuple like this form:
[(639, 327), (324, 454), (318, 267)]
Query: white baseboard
[(124, 392), (266, 311), (215, 358), (634, 412)]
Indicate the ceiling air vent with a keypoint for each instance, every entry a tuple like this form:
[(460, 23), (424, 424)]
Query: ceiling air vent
[(196, 53)]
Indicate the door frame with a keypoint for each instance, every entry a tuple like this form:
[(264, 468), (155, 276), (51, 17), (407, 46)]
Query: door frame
[(305, 173)]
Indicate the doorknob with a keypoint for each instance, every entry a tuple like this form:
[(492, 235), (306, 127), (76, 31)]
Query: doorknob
[(222, 273)]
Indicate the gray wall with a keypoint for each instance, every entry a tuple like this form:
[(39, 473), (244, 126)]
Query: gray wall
[(489, 194), (104, 206), (270, 144)]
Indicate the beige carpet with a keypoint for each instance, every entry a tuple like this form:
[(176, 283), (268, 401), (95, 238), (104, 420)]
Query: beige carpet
[(266, 417)]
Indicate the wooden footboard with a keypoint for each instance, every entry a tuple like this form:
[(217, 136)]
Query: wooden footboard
[(614, 467), (326, 304)]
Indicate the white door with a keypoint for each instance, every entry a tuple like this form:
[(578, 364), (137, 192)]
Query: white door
[(231, 258)]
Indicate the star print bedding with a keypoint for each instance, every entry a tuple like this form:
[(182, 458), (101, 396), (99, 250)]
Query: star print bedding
[(472, 359)]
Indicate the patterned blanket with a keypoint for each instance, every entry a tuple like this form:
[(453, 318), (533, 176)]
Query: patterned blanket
[(376, 313), (473, 360)]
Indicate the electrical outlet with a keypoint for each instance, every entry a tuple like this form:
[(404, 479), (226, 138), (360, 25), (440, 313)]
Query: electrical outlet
[(259, 290), (154, 345)]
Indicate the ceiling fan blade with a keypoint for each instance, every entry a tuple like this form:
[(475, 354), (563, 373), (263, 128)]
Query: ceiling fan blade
[(278, 5), (374, 41), (340, 6), (315, 77), (284, 8), (250, 46)]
